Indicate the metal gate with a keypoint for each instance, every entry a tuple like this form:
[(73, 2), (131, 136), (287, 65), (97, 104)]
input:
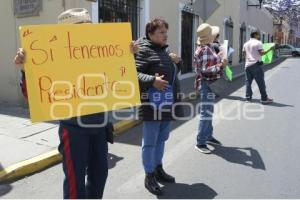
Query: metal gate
[(121, 11)]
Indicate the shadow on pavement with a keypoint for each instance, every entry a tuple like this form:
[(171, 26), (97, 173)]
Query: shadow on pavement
[(185, 191), (4, 187), (132, 136), (112, 160), (13, 110), (275, 104), (242, 99), (245, 156)]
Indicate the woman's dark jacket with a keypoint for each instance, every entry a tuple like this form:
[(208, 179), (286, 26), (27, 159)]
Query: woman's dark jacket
[(152, 59)]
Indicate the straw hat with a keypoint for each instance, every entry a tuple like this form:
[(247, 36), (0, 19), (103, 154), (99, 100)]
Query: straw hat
[(204, 33), (74, 16)]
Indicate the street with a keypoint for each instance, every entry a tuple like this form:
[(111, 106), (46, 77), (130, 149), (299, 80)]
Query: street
[(259, 157)]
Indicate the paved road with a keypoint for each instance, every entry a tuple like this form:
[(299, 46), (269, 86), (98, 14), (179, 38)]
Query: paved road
[(259, 158)]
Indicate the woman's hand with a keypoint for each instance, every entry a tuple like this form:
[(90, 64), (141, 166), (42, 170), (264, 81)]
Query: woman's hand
[(134, 47), (159, 83), (174, 58), (224, 62), (20, 58), (221, 54)]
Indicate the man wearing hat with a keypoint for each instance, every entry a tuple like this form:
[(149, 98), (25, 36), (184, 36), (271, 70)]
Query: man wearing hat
[(254, 51), (208, 67), (84, 149)]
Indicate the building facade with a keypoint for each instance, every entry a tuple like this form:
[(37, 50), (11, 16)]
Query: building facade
[(282, 31)]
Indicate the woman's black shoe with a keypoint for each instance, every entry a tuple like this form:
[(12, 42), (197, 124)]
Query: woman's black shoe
[(161, 175), (151, 184)]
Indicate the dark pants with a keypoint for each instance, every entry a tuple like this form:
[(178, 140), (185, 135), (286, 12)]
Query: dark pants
[(255, 72), (83, 154)]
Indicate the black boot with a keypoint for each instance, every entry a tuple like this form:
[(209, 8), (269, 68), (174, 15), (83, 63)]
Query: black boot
[(161, 175), (151, 184)]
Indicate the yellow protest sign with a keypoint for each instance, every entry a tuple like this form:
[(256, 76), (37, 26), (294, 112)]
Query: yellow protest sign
[(78, 69)]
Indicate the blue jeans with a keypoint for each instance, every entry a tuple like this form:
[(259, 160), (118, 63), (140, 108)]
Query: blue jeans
[(255, 72), (155, 133), (207, 98)]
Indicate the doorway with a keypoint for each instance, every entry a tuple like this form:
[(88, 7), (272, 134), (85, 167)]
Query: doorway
[(187, 24)]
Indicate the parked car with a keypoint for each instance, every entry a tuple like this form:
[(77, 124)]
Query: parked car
[(288, 50)]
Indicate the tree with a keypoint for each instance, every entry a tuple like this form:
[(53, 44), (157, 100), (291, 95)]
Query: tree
[(288, 10)]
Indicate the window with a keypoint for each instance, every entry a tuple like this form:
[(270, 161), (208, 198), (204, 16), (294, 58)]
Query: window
[(242, 41), (187, 26), (229, 34), (229, 31), (121, 11)]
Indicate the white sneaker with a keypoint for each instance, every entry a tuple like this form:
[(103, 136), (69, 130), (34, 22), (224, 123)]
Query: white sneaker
[(203, 149), (267, 101)]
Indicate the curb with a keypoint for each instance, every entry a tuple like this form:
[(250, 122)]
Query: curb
[(43, 161), (29, 166), (122, 126)]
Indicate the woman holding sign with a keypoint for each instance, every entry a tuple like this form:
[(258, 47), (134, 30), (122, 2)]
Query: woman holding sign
[(159, 87), (208, 67), (83, 140)]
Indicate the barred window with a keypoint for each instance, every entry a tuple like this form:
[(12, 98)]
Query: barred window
[(263, 38), (242, 41), (229, 34), (121, 11)]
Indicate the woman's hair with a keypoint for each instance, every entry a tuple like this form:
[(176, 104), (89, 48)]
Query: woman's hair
[(155, 24)]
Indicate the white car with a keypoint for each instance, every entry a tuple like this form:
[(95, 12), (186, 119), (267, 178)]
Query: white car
[(288, 50)]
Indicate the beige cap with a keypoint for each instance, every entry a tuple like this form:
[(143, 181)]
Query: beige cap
[(74, 16), (204, 33)]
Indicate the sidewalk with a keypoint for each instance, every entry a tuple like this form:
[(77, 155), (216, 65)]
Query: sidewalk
[(26, 148)]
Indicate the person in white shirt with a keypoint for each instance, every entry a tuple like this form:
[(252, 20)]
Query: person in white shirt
[(254, 51)]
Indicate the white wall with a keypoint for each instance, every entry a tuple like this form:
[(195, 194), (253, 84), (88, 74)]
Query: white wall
[(256, 18), (8, 72)]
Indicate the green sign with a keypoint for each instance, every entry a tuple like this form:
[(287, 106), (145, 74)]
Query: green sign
[(228, 73), (268, 58)]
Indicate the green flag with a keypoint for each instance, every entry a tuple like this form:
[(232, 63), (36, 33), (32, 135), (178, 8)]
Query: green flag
[(268, 58), (228, 73)]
